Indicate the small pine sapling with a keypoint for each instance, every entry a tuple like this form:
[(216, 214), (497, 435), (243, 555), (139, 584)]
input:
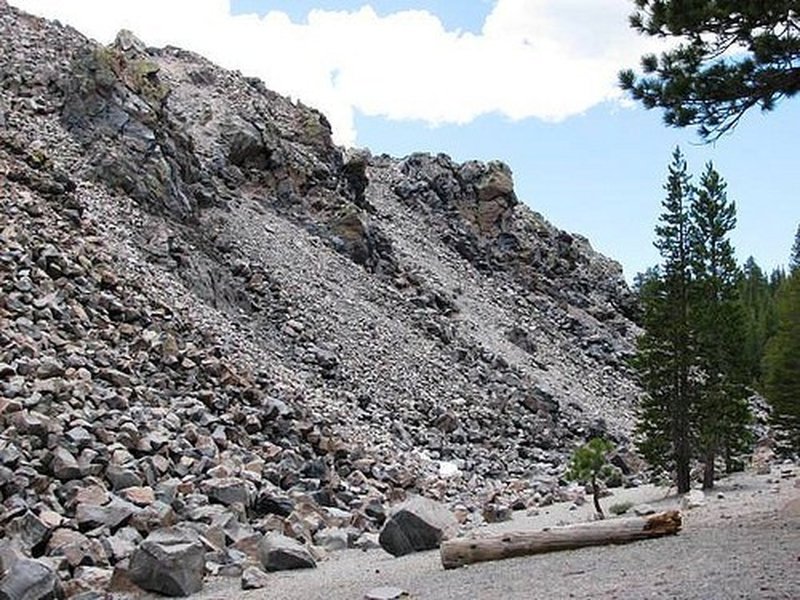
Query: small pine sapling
[(590, 464)]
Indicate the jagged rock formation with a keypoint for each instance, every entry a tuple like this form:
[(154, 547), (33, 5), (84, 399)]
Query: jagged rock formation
[(210, 314)]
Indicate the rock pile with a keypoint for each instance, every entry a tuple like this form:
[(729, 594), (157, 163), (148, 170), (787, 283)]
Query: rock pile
[(226, 344)]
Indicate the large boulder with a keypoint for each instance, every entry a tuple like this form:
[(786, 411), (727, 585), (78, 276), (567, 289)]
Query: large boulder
[(29, 579), (417, 524), (169, 561), (280, 553)]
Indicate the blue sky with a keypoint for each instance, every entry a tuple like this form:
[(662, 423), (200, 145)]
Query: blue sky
[(529, 82)]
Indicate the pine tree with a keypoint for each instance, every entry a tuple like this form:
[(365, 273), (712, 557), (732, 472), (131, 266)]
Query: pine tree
[(589, 464), (699, 81), (665, 352), (722, 413), (794, 259), (776, 279), (782, 362)]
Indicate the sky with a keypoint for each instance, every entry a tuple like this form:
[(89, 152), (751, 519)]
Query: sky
[(528, 82)]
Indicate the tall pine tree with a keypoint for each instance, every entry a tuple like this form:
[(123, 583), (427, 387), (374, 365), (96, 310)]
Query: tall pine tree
[(665, 354), (722, 413)]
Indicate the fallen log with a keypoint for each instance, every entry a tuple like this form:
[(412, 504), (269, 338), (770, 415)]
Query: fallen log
[(463, 551)]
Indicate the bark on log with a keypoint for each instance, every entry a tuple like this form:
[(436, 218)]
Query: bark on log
[(463, 551)]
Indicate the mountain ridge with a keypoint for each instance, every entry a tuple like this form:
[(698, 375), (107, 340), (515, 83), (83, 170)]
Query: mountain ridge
[(199, 279)]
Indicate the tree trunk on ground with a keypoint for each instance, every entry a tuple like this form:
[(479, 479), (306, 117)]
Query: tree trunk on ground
[(463, 551), (596, 498), (708, 470)]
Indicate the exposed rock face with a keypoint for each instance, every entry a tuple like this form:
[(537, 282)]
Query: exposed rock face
[(212, 315)]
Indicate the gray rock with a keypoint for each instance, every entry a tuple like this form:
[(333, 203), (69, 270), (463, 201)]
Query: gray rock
[(49, 367), (280, 553), (29, 579), (228, 491), (254, 578), (643, 510), (76, 548), (415, 525), (112, 515), (693, 499), (64, 465), (386, 593), (121, 478), (332, 539), (27, 530), (169, 561)]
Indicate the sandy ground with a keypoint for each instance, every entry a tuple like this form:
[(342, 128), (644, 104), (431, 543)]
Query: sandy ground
[(743, 544)]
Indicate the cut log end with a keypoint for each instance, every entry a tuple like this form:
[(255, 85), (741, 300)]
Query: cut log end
[(666, 523), (463, 551)]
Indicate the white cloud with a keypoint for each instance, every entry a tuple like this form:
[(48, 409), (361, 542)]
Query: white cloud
[(547, 59)]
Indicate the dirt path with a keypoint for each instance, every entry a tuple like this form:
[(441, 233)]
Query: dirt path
[(745, 544)]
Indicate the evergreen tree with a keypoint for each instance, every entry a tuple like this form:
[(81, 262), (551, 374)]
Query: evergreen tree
[(590, 464), (665, 352), (782, 362), (722, 414), (776, 279), (700, 81), (794, 259)]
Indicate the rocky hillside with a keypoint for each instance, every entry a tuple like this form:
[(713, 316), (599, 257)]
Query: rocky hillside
[(208, 307)]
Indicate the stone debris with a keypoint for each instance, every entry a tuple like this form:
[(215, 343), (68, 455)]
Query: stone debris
[(214, 318)]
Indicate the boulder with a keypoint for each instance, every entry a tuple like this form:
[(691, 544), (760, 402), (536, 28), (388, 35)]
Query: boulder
[(415, 525), (693, 499), (228, 491), (65, 465), (112, 515), (29, 579), (280, 553), (332, 539), (169, 561), (27, 530), (254, 578)]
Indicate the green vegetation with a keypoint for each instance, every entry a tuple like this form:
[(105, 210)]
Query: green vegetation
[(590, 464), (620, 508), (733, 55), (782, 363), (757, 301), (690, 356), (667, 349), (794, 259), (717, 318)]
